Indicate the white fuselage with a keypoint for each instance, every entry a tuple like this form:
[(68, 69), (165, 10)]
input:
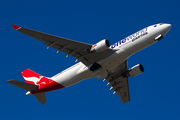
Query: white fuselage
[(123, 50)]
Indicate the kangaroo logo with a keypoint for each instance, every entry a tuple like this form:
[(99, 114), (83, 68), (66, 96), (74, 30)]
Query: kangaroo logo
[(33, 79)]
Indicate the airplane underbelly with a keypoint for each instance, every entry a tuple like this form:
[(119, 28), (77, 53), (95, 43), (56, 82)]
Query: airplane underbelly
[(107, 64), (69, 77), (114, 60)]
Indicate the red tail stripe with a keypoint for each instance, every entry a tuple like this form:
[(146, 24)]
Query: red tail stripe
[(30, 73), (45, 84)]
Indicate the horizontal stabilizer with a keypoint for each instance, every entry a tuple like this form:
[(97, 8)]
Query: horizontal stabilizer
[(41, 97), (23, 85)]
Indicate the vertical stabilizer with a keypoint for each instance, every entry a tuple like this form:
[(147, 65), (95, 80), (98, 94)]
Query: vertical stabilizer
[(31, 77), (37, 85)]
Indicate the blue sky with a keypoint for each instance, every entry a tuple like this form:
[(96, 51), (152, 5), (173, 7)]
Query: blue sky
[(154, 94)]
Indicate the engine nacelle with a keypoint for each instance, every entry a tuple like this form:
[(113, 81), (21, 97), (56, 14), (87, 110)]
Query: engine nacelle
[(100, 46), (136, 70)]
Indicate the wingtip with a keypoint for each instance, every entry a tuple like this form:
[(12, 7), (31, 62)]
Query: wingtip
[(16, 27), (9, 81)]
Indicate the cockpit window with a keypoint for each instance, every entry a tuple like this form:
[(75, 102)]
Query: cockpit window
[(161, 23)]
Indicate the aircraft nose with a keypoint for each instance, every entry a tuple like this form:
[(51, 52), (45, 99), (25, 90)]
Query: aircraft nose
[(166, 28)]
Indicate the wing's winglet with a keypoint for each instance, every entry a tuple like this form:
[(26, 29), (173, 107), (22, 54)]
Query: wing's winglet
[(16, 27)]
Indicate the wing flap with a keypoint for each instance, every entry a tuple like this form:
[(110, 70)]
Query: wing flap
[(50, 39), (120, 85), (79, 49), (119, 82)]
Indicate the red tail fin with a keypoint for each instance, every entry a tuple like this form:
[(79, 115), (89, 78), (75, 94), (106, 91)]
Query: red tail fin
[(45, 84), (31, 77)]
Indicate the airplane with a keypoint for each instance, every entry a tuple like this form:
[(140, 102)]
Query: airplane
[(101, 60)]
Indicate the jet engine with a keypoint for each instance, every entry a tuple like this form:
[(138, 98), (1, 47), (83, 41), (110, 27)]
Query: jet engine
[(136, 70), (100, 46)]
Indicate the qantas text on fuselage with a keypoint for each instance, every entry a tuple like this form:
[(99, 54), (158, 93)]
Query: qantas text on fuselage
[(100, 60)]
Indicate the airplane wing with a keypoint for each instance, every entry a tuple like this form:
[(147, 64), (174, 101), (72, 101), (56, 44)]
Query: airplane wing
[(120, 82), (76, 49)]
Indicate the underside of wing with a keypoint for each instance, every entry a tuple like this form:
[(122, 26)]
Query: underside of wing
[(79, 50), (119, 82)]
